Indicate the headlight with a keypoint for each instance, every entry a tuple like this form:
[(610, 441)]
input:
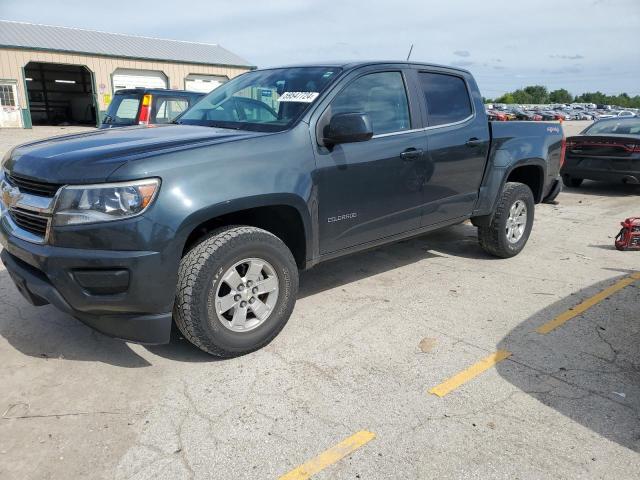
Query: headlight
[(104, 202)]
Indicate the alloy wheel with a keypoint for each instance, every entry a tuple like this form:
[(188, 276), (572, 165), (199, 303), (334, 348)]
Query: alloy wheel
[(247, 294)]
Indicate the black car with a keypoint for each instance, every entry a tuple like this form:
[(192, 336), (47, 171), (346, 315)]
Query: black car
[(146, 106), (608, 150), (546, 115), (522, 115)]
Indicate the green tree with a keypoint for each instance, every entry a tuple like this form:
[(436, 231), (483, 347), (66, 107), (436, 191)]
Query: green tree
[(592, 97), (522, 96), (537, 93), (506, 98), (623, 100), (560, 96)]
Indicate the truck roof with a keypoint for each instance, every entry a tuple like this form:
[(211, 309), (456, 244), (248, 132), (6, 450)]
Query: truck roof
[(156, 91), (348, 65)]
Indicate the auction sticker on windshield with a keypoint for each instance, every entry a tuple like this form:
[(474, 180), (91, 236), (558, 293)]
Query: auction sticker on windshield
[(302, 97)]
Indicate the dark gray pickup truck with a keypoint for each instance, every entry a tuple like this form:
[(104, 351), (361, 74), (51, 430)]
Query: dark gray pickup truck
[(207, 221)]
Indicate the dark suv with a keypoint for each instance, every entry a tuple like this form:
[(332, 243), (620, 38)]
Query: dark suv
[(146, 106), (207, 221)]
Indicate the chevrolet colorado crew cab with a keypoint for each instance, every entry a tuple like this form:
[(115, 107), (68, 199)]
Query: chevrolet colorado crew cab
[(206, 222)]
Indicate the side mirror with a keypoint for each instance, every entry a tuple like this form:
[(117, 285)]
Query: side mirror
[(347, 128)]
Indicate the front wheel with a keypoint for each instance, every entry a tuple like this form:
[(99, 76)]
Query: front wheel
[(236, 291), (511, 225)]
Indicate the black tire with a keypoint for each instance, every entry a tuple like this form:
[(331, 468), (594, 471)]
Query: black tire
[(200, 273), (571, 181), (493, 238)]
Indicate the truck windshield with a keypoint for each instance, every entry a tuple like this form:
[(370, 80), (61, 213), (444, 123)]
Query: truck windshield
[(263, 100)]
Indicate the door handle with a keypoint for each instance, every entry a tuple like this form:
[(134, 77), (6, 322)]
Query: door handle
[(411, 154), (474, 142)]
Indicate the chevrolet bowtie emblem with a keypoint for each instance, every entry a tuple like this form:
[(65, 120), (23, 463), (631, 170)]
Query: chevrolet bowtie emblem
[(10, 195)]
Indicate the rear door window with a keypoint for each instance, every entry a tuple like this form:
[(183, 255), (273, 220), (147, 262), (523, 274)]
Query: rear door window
[(446, 97)]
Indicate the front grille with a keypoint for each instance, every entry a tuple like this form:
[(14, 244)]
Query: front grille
[(34, 187), (31, 222)]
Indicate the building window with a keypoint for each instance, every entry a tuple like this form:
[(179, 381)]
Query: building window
[(7, 98)]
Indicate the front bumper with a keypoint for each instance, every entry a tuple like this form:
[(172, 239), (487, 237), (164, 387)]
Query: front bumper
[(137, 306)]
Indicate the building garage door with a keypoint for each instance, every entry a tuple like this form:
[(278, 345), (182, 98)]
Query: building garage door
[(203, 83), (60, 94), (127, 78)]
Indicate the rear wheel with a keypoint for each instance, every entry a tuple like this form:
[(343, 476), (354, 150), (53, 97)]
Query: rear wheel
[(572, 182), (511, 225), (236, 291)]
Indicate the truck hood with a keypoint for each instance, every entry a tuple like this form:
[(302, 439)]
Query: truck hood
[(93, 156)]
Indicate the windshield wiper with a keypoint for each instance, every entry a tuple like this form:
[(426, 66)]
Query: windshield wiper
[(226, 125)]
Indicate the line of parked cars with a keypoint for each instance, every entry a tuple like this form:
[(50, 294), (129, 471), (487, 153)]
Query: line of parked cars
[(505, 113)]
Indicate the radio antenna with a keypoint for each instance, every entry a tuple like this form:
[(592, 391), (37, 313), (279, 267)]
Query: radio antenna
[(410, 50)]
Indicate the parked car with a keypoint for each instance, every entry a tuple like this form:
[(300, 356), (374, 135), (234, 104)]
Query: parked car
[(208, 220), (530, 115), (607, 150), (547, 115), (626, 113), (584, 116), (144, 106), (522, 115), (496, 115)]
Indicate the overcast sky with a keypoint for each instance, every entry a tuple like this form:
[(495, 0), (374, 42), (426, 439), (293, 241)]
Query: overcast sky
[(581, 45)]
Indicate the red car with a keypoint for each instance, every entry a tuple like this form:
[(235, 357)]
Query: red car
[(495, 115)]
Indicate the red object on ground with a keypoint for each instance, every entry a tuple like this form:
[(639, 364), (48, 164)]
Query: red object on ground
[(629, 236)]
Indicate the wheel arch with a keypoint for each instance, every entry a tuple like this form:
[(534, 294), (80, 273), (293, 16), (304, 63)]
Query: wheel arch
[(284, 215), (530, 172)]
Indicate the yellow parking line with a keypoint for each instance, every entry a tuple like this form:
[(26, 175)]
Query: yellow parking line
[(587, 304), (329, 457), (470, 373)]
